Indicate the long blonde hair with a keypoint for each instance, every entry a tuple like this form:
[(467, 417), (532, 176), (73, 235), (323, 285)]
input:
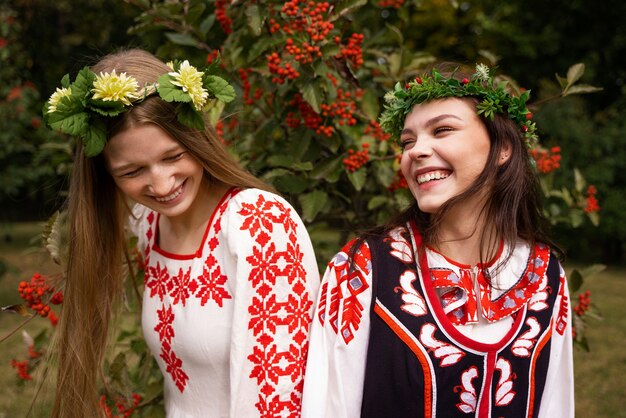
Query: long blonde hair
[(97, 214)]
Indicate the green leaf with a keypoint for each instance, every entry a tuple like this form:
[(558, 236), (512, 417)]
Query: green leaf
[(277, 172), (312, 94), (574, 73), (562, 82), (575, 280), (592, 269), (582, 89), (181, 39), (376, 202), (370, 104), (312, 203), (170, 92), (291, 184), (357, 178), (152, 392), (281, 161), (384, 173), (74, 124), (220, 88), (254, 19), (576, 218), (188, 116), (95, 139), (83, 84), (207, 24), (329, 169), (346, 6), (579, 180)]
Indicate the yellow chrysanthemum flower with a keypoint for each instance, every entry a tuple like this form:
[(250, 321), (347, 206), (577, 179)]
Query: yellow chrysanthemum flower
[(116, 88), (56, 98), (190, 80)]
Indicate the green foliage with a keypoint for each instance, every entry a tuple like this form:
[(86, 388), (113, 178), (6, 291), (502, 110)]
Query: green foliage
[(25, 164)]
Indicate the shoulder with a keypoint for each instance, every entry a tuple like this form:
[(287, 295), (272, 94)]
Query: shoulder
[(260, 200)]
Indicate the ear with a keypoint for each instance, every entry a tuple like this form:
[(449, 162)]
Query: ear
[(505, 153)]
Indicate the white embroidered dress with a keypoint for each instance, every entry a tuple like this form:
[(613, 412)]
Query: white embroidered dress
[(228, 325)]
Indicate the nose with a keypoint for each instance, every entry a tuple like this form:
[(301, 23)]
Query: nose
[(422, 148), (162, 182)]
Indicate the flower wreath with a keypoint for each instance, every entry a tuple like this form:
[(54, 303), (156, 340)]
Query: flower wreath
[(495, 99), (78, 108)]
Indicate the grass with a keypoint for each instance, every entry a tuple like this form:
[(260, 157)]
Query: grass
[(599, 374)]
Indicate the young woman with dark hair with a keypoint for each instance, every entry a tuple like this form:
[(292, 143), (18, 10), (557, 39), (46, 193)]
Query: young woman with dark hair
[(458, 306)]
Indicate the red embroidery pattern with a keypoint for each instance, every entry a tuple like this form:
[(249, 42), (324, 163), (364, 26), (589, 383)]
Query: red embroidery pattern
[(174, 366), (211, 283), (180, 287), (354, 283), (561, 322), (273, 268)]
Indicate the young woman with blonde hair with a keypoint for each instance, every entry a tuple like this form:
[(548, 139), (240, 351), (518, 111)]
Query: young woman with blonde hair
[(230, 273)]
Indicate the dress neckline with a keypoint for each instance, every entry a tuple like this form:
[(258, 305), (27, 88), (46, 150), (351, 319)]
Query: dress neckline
[(198, 253)]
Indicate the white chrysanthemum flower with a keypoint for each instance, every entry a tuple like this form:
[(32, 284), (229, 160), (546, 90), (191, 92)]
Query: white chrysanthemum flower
[(115, 88), (482, 71), (170, 64), (56, 98), (190, 80), (390, 97)]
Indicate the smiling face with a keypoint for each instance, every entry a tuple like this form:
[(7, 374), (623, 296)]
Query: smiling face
[(445, 148), (151, 168)]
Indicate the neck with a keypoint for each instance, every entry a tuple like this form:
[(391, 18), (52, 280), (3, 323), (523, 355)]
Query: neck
[(183, 231), (465, 236)]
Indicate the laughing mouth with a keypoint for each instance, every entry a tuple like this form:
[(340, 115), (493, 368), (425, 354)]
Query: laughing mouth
[(172, 196), (432, 175)]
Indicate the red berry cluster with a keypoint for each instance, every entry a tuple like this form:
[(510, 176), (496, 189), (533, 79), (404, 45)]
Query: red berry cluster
[(592, 201), (374, 129), (282, 73), (125, 408), (305, 53), (584, 303), (306, 17), (308, 117), (212, 56), (547, 161), (399, 182), (357, 159), (22, 368), (342, 108), (222, 17), (396, 4), (245, 85), (352, 51), (36, 292)]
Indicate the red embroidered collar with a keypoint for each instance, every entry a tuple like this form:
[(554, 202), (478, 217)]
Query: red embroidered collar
[(457, 289)]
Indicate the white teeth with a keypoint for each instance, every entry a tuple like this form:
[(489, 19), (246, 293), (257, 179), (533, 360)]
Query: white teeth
[(170, 197), (433, 175)]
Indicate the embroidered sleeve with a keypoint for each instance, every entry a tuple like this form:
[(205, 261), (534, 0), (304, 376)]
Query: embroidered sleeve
[(339, 335), (558, 395), (274, 288)]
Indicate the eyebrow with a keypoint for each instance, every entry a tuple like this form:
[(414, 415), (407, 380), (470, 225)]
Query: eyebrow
[(431, 122)]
